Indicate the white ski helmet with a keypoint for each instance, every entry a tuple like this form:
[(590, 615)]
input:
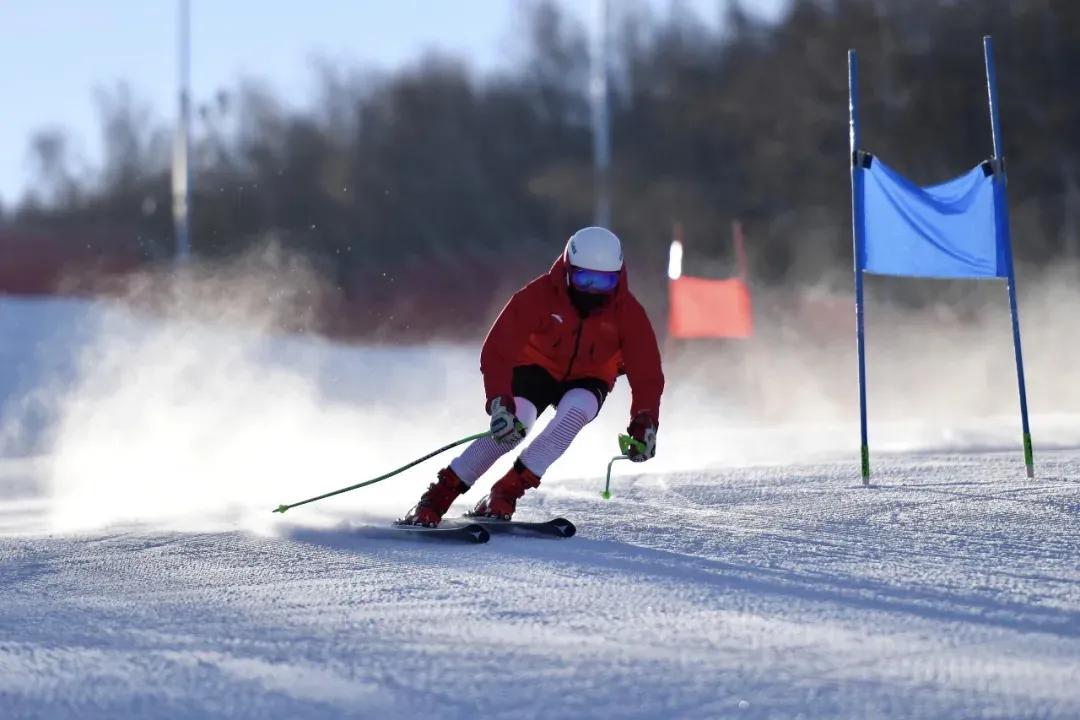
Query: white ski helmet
[(595, 248)]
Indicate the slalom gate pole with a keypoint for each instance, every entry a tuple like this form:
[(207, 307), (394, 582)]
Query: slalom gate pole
[(857, 230), (392, 473), (1001, 207)]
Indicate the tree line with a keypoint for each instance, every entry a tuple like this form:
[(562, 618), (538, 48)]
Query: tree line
[(426, 194)]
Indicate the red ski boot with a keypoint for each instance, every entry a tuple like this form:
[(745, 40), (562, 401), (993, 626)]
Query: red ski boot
[(502, 500), (437, 500)]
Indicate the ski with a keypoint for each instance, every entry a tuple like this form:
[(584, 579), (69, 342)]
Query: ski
[(468, 532), (556, 527)]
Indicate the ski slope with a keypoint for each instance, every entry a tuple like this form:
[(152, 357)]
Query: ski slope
[(143, 575)]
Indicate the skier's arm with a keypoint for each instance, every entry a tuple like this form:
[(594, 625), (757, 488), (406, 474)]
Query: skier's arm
[(504, 342), (641, 360)]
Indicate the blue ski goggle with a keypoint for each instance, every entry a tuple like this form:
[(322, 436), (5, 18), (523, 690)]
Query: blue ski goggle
[(593, 281)]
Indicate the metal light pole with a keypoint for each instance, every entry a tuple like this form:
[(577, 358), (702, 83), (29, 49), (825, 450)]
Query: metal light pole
[(181, 173), (601, 122)]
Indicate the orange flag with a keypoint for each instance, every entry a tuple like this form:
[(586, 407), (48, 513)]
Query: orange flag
[(704, 308)]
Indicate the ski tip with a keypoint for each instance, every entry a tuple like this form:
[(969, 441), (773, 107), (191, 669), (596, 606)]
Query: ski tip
[(567, 528), (281, 508), (556, 527)]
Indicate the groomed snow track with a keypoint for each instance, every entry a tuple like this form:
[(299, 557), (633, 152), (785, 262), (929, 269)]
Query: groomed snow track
[(948, 589)]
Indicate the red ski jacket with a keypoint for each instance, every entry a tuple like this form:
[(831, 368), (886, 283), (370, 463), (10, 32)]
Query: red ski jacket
[(540, 326)]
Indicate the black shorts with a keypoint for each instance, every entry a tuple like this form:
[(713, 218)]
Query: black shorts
[(536, 385)]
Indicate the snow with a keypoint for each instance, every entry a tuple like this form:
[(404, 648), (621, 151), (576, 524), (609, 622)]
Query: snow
[(751, 576)]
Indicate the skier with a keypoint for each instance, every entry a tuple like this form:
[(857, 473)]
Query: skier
[(561, 341)]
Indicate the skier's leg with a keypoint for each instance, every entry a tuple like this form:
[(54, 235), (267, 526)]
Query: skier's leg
[(575, 410), (534, 390), (479, 456), (463, 471)]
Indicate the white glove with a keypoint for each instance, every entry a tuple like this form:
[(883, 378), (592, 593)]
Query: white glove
[(505, 427)]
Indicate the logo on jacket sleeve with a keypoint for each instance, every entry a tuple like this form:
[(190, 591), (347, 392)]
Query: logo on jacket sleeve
[(557, 317)]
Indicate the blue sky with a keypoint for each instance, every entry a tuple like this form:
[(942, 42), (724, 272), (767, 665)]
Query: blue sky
[(53, 53)]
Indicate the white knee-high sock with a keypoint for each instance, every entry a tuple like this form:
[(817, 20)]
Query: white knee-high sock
[(576, 410), (480, 455)]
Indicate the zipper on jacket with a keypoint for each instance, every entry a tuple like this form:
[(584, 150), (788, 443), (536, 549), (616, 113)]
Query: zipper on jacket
[(573, 355)]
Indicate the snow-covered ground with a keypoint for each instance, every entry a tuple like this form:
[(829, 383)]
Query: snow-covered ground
[(142, 574)]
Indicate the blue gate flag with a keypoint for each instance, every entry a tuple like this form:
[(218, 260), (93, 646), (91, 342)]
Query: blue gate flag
[(948, 230)]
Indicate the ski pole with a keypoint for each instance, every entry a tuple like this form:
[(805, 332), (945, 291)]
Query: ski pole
[(625, 444), (607, 486), (392, 473)]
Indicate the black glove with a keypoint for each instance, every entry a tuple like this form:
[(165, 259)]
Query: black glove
[(505, 427), (643, 430)]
